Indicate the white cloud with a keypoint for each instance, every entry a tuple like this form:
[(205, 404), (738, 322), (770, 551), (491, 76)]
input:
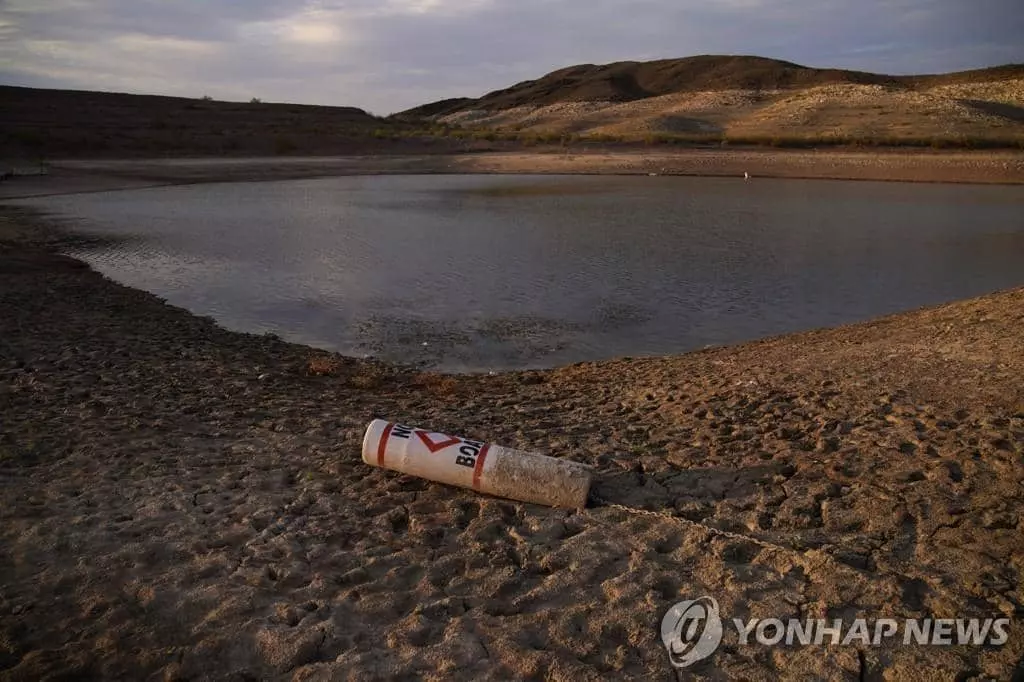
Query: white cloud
[(49, 7), (870, 49), (159, 48), (313, 33), (435, 6), (316, 28), (103, 65)]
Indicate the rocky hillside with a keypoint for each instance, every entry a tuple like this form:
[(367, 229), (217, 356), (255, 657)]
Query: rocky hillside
[(749, 97)]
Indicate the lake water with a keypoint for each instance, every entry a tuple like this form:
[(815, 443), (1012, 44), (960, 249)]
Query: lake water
[(489, 272)]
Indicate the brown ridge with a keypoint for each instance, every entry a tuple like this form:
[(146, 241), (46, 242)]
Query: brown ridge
[(629, 81)]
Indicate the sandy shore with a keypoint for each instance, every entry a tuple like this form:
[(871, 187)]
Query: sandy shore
[(180, 502), (908, 166), (985, 167)]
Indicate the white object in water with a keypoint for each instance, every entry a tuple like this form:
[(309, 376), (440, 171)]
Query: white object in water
[(746, 175), (484, 467)]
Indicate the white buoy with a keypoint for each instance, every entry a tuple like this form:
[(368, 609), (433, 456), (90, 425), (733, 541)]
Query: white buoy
[(484, 467)]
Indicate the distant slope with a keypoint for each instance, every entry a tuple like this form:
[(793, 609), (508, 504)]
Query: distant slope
[(628, 81), (748, 96), (439, 108), (40, 122)]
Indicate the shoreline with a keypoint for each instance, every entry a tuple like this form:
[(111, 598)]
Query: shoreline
[(987, 167), (184, 501)]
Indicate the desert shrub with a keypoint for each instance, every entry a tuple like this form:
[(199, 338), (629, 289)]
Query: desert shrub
[(366, 377), (322, 365), (436, 384)]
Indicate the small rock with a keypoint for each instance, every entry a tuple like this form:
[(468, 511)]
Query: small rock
[(828, 444)]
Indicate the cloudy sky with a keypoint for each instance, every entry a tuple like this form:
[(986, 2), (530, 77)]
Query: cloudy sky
[(387, 55)]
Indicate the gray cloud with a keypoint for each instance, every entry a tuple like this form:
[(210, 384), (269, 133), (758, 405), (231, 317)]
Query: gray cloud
[(386, 55)]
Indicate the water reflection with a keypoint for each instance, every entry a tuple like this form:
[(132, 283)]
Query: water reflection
[(487, 272)]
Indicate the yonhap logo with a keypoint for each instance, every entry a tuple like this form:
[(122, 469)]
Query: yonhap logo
[(691, 631)]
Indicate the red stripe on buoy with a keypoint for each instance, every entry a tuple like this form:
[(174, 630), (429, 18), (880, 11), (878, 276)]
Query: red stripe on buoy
[(383, 445), (434, 447), (478, 468)]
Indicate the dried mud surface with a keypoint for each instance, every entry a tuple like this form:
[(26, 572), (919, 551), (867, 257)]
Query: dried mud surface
[(180, 502)]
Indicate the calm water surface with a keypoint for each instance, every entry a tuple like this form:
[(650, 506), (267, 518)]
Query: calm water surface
[(488, 272)]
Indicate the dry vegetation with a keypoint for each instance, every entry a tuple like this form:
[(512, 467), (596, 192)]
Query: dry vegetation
[(358, 375), (749, 101), (981, 115), (436, 384), (323, 365)]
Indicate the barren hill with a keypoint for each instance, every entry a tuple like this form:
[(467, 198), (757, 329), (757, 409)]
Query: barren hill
[(748, 97), (43, 122)]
